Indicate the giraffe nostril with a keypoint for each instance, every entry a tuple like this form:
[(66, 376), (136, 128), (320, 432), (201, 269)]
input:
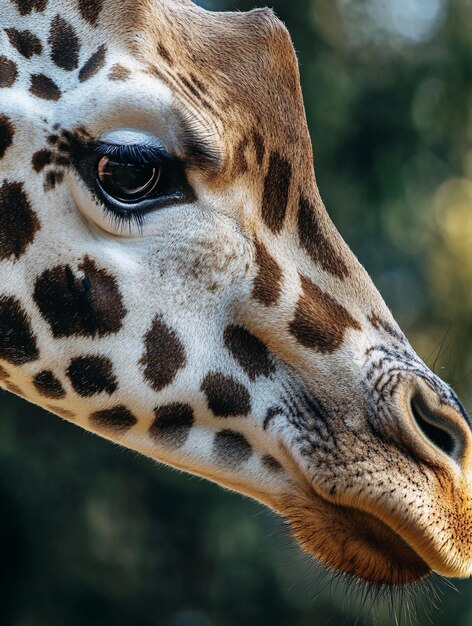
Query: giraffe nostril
[(437, 428)]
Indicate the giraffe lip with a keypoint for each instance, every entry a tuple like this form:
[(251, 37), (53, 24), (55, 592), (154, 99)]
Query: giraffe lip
[(354, 541), (396, 561)]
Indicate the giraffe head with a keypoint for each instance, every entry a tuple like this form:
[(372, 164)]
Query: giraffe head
[(170, 279)]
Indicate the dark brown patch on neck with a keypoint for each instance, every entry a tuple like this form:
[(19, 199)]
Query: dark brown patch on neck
[(251, 354), (64, 44), (18, 222), (17, 341), (7, 132), (91, 375), (118, 419), (48, 386), (164, 355), (276, 192), (86, 302), (172, 424), (25, 42), (8, 72), (231, 448), (90, 10), (315, 241), (225, 396), (27, 6), (320, 322), (93, 65), (268, 282), (44, 87)]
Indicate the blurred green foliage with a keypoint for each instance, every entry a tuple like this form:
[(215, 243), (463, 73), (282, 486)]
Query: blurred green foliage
[(92, 534)]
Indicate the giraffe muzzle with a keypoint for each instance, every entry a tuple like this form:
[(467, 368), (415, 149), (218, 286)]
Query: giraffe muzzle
[(389, 503)]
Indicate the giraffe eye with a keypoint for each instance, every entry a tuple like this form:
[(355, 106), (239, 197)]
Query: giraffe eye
[(128, 182), (130, 176)]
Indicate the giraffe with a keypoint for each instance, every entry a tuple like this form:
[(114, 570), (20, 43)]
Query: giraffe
[(171, 280)]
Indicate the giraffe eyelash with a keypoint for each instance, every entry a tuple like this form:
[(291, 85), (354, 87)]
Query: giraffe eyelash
[(139, 154)]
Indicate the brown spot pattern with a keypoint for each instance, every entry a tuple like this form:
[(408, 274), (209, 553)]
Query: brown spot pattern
[(41, 159), (90, 10), (7, 132), (58, 410), (118, 419), (18, 222), (47, 385), (27, 6), (172, 424), (25, 42), (93, 65), (251, 354), (276, 192), (17, 341), (91, 375), (44, 87), (313, 238), (119, 72), (271, 464), (231, 449), (52, 179), (225, 396), (258, 146), (8, 72), (164, 355), (14, 389), (240, 159), (3, 373), (320, 322), (86, 303), (268, 282), (381, 324), (65, 45)]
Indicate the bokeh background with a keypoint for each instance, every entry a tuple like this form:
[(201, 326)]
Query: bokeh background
[(92, 534)]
